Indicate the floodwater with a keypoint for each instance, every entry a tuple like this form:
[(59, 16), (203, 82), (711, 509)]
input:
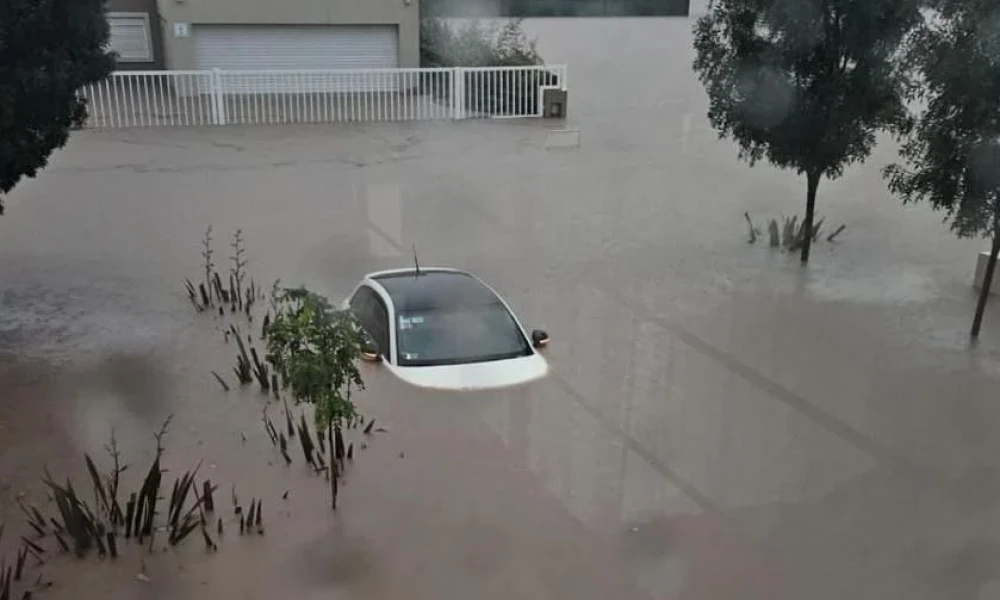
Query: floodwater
[(718, 422)]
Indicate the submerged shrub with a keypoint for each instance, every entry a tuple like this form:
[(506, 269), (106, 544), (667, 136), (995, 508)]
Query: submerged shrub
[(499, 44), (476, 45)]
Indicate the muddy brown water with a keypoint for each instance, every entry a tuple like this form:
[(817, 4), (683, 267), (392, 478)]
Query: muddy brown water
[(717, 424)]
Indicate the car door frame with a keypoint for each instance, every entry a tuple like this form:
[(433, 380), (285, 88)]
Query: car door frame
[(388, 355)]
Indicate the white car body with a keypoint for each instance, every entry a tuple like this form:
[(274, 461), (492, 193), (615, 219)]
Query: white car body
[(462, 376)]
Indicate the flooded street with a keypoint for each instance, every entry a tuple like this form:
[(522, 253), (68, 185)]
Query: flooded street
[(718, 423)]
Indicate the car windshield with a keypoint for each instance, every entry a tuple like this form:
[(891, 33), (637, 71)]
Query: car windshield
[(449, 336)]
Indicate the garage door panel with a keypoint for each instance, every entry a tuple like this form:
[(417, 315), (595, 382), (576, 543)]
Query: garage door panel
[(279, 49), (296, 47)]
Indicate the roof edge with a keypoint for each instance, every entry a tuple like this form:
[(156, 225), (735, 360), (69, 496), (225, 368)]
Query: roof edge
[(375, 275)]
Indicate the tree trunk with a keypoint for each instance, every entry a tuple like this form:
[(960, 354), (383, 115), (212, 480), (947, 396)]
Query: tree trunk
[(812, 182), (333, 468), (338, 440), (984, 293)]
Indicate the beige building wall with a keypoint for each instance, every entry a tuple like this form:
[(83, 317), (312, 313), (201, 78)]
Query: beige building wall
[(179, 51)]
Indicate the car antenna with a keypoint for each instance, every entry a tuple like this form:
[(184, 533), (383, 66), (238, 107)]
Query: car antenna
[(416, 263)]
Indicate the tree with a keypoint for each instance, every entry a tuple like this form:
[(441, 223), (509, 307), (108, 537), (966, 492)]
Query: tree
[(49, 49), (805, 84), (315, 351), (952, 155), (473, 45)]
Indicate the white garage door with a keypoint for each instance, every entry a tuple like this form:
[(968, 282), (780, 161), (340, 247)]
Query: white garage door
[(296, 47)]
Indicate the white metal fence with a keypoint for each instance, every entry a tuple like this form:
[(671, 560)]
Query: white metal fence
[(220, 97)]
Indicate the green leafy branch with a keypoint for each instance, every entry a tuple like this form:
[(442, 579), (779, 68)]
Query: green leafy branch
[(315, 349)]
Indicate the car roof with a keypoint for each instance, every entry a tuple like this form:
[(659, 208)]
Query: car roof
[(430, 289)]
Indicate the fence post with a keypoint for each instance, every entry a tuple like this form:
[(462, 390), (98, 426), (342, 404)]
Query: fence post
[(218, 98), (458, 93), (540, 83)]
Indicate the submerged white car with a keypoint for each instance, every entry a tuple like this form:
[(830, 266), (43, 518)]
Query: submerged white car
[(445, 329)]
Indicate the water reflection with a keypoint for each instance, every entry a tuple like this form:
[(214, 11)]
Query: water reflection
[(385, 219), (63, 310)]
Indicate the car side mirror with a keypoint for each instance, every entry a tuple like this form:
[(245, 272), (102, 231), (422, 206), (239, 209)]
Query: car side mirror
[(369, 350), (539, 339)]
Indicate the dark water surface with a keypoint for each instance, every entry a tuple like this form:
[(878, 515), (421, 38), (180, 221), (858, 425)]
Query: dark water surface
[(718, 423)]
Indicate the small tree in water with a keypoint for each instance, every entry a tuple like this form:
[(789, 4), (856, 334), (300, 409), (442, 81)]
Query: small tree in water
[(315, 350), (953, 154), (805, 84)]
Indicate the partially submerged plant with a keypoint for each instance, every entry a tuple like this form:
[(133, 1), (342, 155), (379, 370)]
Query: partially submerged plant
[(72, 525), (314, 349), (240, 296), (790, 233), (209, 266), (752, 229), (248, 364), (238, 271)]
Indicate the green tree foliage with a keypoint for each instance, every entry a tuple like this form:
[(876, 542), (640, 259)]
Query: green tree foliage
[(49, 49), (952, 154), (473, 45), (805, 84), (315, 349)]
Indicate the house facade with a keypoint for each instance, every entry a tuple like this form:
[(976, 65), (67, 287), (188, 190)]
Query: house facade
[(265, 34), (290, 34)]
